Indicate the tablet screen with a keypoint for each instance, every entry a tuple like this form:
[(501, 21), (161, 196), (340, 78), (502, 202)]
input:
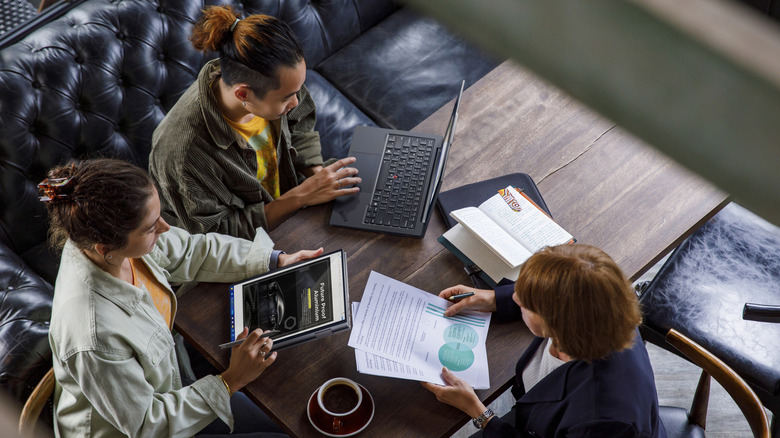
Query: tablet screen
[(301, 302)]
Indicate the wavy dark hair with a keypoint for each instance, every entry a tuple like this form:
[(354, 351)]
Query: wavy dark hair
[(252, 52), (103, 202)]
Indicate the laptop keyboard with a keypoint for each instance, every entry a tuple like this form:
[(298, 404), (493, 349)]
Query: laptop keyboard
[(400, 187)]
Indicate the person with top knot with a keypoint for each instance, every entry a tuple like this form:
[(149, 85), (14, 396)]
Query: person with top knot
[(238, 151), (115, 366)]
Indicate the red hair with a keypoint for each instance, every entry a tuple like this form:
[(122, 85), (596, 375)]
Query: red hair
[(583, 297)]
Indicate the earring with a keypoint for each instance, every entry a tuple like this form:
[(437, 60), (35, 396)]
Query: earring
[(108, 256), (243, 102)]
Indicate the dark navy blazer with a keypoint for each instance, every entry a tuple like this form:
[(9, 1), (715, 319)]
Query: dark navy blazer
[(613, 397)]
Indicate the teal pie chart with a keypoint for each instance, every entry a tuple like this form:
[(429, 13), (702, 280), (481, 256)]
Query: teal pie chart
[(456, 352)]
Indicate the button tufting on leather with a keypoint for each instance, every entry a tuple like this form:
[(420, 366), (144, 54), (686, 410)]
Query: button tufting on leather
[(9, 288), (87, 27), (78, 60), (161, 56)]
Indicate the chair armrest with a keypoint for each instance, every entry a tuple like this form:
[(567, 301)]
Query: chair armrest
[(745, 398), (761, 312), (40, 396)]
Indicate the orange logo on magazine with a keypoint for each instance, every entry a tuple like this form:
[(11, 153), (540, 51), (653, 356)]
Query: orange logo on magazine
[(510, 200)]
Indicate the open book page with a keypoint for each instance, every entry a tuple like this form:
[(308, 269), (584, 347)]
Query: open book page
[(487, 260), (403, 324), (508, 248), (526, 222)]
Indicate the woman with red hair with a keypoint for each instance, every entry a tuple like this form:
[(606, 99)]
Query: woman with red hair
[(587, 372)]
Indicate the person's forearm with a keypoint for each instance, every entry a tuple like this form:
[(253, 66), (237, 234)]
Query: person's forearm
[(282, 208), (476, 409)]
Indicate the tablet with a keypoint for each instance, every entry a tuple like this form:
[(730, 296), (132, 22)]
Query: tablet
[(301, 302)]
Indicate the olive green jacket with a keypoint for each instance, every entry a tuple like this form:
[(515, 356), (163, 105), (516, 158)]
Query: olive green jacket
[(114, 359), (206, 172)]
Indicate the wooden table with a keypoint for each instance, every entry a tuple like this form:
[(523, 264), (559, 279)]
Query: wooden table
[(604, 186)]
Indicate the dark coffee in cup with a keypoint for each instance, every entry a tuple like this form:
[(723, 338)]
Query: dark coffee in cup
[(339, 398), (342, 407)]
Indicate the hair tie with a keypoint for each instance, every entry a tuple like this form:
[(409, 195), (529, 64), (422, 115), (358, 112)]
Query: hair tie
[(233, 26), (51, 188)]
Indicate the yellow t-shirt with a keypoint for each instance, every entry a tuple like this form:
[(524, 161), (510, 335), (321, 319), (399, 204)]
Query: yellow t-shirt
[(143, 279), (258, 133)]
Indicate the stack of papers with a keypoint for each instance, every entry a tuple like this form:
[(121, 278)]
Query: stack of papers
[(401, 331)]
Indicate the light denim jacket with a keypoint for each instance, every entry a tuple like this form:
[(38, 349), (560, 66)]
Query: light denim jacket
[(114, 359)]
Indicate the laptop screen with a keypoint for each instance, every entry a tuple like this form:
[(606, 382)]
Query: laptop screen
[(449, 135)]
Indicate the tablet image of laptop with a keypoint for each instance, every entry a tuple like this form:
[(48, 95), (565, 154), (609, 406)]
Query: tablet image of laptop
[(301, 302), (401, 173)]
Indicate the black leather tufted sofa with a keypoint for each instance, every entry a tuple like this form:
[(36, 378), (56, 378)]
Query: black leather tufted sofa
[(93, 78)]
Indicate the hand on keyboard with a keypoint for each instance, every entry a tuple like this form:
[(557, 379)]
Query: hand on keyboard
[(329, 183)]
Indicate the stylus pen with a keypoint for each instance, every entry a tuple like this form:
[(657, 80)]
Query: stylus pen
[(460, 296), (239, 341)]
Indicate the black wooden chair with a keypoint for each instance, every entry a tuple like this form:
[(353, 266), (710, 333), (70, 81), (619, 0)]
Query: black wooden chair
[(701, 291)]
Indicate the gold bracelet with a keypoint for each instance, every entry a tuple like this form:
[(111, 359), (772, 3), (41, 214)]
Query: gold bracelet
[(230, 393)]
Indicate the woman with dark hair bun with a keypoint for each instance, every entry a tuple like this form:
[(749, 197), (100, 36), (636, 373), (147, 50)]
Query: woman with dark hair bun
[(238, 151), (587, 373), (114, 360)]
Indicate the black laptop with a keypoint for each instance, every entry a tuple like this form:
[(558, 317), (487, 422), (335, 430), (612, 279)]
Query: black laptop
[(401, 172)]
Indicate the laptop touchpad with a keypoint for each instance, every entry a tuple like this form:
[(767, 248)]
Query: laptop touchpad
[(368, 167), (354, 206)]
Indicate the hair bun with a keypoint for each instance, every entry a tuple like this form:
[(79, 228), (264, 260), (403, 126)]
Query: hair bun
[(214, 28)]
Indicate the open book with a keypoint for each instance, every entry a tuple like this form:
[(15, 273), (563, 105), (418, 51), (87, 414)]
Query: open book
[(503, 232)]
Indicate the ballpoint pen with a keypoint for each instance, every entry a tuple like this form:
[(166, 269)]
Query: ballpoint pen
[(239, 341), (460, 296)]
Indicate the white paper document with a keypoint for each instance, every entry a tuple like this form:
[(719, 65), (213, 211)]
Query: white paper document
[(401, 331), (368, 363)]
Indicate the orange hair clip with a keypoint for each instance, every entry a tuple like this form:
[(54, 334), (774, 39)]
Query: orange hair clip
[(51, 188)]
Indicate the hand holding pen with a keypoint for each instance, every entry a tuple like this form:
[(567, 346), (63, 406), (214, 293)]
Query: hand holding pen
[(239, 341), (249, 359), (461, 296), (468, 298)]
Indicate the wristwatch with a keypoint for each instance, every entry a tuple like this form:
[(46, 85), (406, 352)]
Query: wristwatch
[(479, 422)]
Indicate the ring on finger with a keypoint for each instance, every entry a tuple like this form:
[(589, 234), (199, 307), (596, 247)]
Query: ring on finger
[(339, 183), (262, 353)]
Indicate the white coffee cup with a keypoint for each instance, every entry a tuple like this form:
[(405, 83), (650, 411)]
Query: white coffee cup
[(340, 398)]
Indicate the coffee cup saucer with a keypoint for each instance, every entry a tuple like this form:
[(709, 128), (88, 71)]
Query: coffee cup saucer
[(323, 422)]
